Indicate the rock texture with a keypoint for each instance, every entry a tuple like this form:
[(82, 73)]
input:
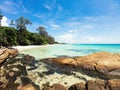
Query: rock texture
[(78, 86), (26, 87), (104, 64), (6, 53), (14, 73), (55, 87), (113, 84)]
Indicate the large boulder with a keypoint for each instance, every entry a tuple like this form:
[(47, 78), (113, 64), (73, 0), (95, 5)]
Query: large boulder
[(104, 63)]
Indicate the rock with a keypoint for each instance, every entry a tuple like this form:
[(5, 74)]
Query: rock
[(4, 56), (107, 65), (26, 87), (12, 71), (6, 53), (114, 84), (96, 85), (13, 52), (55, 87), (78, 86)]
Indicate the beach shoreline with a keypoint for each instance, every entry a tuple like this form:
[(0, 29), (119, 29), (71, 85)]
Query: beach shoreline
[(21, 48)]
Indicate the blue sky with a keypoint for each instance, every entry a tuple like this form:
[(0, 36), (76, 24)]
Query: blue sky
[(69, 21)]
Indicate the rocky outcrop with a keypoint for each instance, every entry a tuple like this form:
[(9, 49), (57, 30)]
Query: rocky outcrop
[(7, 53), (103, 64), (113, 84), (14, 73)]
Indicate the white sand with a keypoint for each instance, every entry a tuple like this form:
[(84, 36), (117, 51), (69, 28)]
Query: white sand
[(21, 48), (66, 80)]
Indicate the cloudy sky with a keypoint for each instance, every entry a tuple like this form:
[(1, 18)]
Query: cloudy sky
[(70, 21)]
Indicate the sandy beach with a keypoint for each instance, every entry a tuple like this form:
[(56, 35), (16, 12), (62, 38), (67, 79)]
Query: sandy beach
[(21, 48)]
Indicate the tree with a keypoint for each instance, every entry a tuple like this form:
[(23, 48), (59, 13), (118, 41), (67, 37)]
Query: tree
[(22, 33), (42, 31), (12, 23), (21, 23), (47, 38)]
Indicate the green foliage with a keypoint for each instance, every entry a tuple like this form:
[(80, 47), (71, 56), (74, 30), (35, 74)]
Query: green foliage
[(47, 38), (10, 36), (21, 23)]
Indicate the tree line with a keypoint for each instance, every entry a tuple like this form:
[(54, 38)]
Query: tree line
[(18, 34)]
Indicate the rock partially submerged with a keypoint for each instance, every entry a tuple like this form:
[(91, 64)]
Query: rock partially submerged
[(103, 64)]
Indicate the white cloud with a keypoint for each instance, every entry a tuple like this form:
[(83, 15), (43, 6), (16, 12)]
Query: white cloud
[(92, 39), (25, 11), (9, 7), (66, 38), (72, 31), (47, 7), (5, 21), (53, 25)]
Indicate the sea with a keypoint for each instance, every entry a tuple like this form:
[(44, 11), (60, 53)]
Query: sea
[(70, 50)]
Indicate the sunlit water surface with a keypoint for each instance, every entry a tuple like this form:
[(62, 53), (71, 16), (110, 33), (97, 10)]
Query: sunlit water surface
[(70, 50)]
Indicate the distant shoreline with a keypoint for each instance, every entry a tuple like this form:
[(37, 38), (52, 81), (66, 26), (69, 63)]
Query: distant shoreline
[(21, 48)]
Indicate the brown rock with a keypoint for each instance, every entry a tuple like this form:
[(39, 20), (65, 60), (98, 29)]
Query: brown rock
[(65, 61), (11, 73), (96, 85), (78, 86), (114, 84), (26, 87), (4, 56), (6, 53), (55, 87), (104, 63)]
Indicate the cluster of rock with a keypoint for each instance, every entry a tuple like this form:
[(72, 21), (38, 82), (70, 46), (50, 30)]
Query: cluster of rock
[(90, 85), (14, 71)]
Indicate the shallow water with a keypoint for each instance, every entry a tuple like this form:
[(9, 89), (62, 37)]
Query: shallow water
[(70, 50), (63, 50)]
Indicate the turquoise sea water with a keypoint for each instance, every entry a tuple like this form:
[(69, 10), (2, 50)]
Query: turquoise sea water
[(71, 50)]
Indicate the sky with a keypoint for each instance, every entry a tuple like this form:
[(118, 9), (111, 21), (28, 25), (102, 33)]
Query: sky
[(68, 21)]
